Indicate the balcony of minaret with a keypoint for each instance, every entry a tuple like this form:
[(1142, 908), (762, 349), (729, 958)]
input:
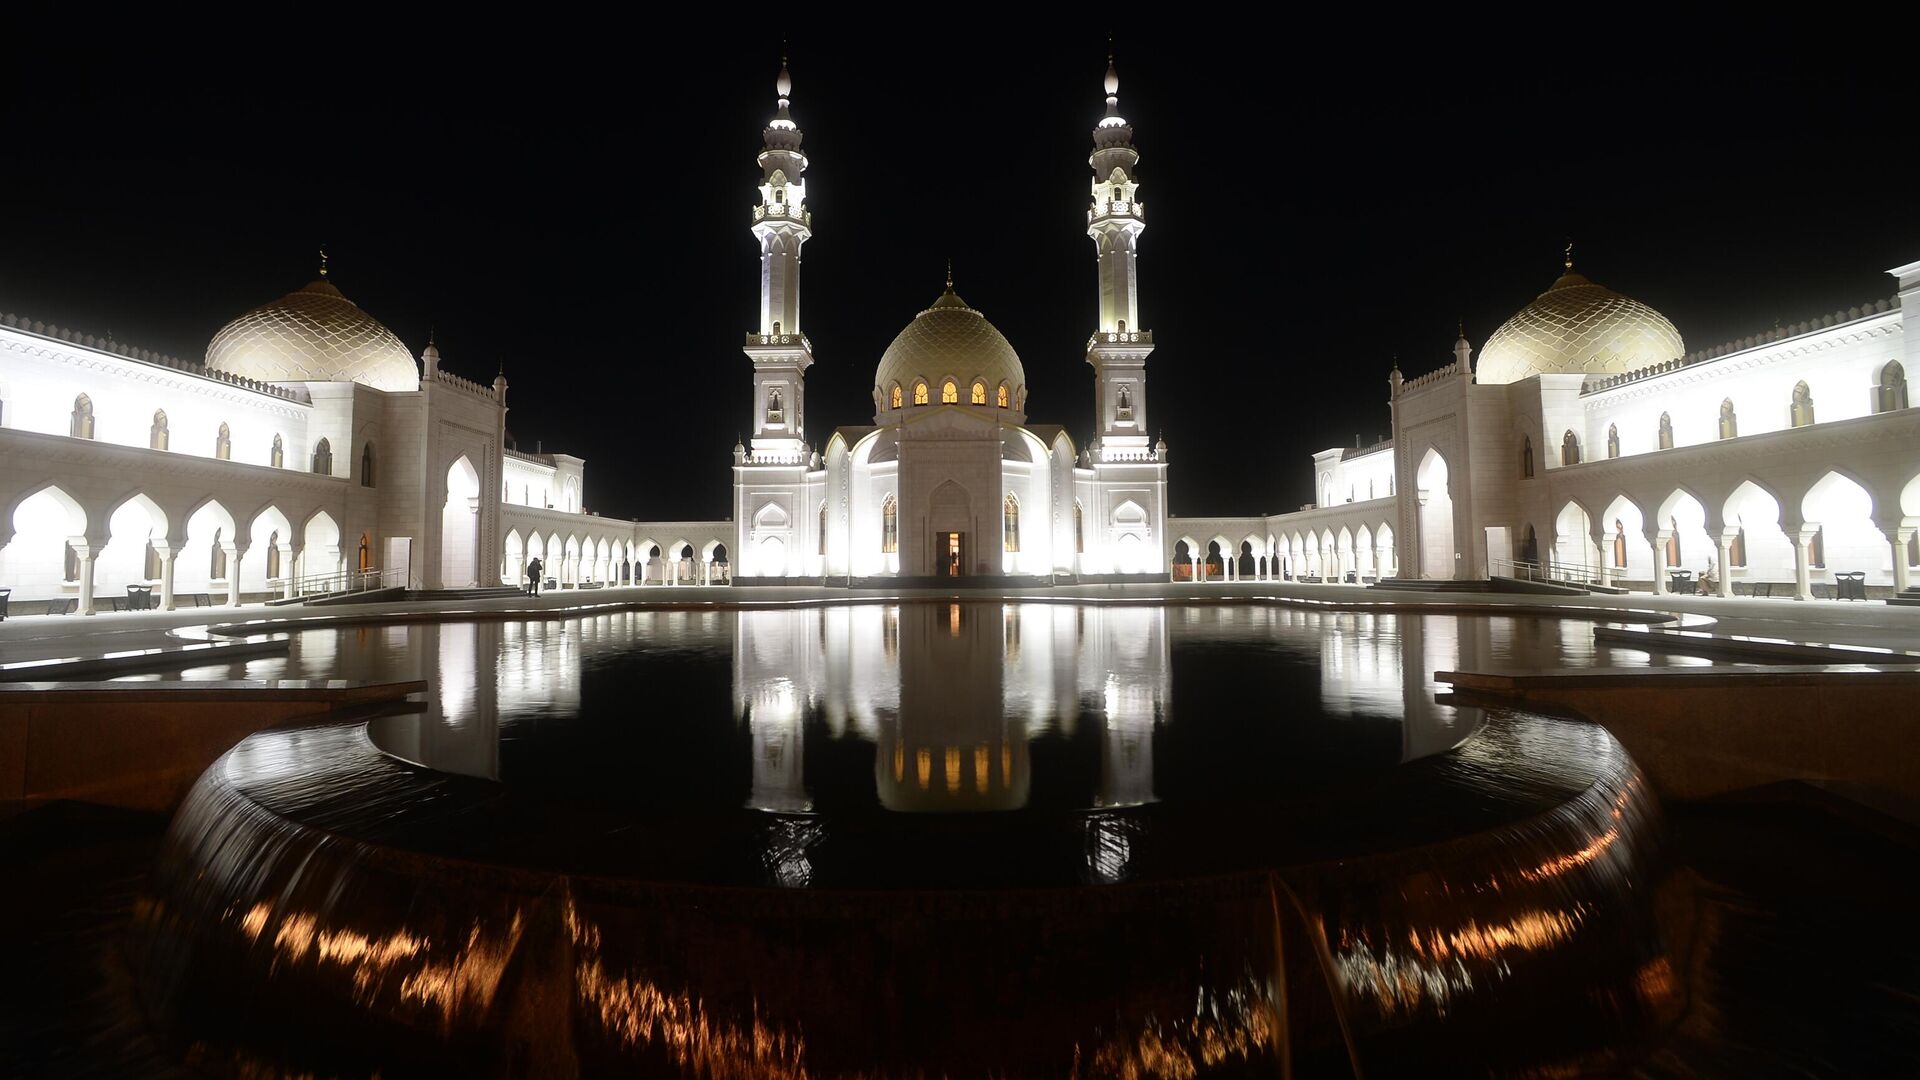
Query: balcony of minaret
[(799, 340), (783, 212), (1107, 208), (1120, 337)]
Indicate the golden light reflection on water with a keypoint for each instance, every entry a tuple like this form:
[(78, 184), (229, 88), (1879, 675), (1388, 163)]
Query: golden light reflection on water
[(1438, 965)]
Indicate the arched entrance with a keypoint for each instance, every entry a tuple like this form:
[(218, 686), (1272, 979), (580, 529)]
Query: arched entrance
[(460, 527), (950, 520), (1434, 505)]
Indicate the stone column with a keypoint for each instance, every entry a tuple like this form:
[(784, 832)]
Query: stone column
[(288, 553), (1603, 544), (1802, 559), (1900, 535), (168, 552), (234, 554), (1725, 585), (1658, 541), (84, 548)]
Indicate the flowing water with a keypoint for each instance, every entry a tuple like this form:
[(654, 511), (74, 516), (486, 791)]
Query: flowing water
[(922, 839)]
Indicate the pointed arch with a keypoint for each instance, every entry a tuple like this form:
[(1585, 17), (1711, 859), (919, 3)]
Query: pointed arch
[(978, 396), (949, 392), (366, 464), (80, 425), (1729, 423), (1613, 440), (1666, 432), (1003, 396), (1800, 413), (223, 442), (158, 437), (1890, 394), (894, 396), (277, 457), (1569, 448), (889, 525), (323, 458), (1526, 457), (1079, 529), (1010, 522)]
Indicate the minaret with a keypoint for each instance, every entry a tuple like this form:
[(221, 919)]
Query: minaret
[(779, 351), (1119, 347)]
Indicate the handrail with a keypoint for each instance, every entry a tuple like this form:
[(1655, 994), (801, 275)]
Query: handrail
[(1530, 570), (350, 581)]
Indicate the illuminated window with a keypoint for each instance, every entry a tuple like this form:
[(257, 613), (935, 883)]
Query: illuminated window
[(152, 569), (1891, 394), (1123, 407), (775, 413), (323, 458), (1613, 440), (217, 560), (949, 393), (1619, 544), (223, 444), (1801, 411), (1817, 548), (1666, 432), (157, 436), (366, 465), (1526, 456), (366, 552), (273, 554), (1003, 395), (894, 396), (919, 393), (82, 420), (1569, 449), (1737, 551), (1011, 520), (278, 458), (979, 393), (1729, 424), (889, 526), (1079, 533), (70, 569)]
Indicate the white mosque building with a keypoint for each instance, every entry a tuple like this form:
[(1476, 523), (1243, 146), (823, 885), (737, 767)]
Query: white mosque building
[(311, 450)]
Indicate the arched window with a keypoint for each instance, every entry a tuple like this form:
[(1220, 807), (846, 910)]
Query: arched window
[(894, 396), (223, 443), (889, 526), (1123, 404), (1619, 544), (775, 414), (1729, 424), (949, 393), (1613, 440), (1673, 542), (70, 567), (979, 393), (151, 571), (366, 552), (1801, 413), (1526, 457), (1817, 548), (919, 393), (1737, 551), (273, 554), (1891, 394), (1003, 399), (82, 426), (1569, 449), (366, 464), (157, 436), (323, 458), (1666, 432), (1079, 530), (823, 530), (278, 458), (217, 560), (1011, 521)]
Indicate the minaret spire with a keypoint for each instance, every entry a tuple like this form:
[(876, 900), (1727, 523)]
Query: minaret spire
[(781, 226), (1115, 220)]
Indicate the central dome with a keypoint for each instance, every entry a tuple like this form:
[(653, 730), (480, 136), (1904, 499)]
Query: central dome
[(313, 334), (1578, 328), (950, 340)]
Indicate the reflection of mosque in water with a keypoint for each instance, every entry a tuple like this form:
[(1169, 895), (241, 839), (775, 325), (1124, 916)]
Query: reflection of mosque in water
[(951, 733)]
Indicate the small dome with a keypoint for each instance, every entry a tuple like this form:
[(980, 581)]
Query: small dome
[(313, 334), (1578, 328), (951, 338)]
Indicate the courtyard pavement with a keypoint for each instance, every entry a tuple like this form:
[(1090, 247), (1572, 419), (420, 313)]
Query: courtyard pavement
[(37, 637)]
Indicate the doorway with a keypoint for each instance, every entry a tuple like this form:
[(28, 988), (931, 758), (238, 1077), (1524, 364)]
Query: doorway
[(950, 554)]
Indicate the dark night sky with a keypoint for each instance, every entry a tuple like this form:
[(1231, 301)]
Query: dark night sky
[(1315, 208)]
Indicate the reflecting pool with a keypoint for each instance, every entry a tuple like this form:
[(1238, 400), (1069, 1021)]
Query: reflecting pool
[(910, 839)]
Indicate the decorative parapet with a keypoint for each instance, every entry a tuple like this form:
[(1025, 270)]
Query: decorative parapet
[(1349, 452), (1121, 208), (779, 339), (1751, 341), (448, 378), (1430, 378), (147, 356), (1120, 337), (537, 459), (783, 212)]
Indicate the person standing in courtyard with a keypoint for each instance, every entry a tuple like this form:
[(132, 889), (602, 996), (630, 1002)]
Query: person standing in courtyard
[(533, 577)]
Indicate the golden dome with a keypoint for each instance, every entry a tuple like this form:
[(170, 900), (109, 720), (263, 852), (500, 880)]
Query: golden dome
[(950, 339), (1578, 328), (313, 334)]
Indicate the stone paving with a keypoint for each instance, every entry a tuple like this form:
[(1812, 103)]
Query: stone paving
[(35, 637)]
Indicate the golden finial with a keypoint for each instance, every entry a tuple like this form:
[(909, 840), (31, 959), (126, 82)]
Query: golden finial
[(323, 260), (1569, 263)]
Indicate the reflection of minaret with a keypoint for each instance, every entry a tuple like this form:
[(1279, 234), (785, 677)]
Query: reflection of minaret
[(951, 747), (1428, 645), (776, 658), (1125, 666)]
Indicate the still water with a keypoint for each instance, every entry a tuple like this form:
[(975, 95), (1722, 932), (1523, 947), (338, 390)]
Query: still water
[(917, 839)]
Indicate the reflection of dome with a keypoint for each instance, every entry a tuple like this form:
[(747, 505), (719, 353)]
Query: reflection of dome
[(313, 335), (1578, 328), (951, 338)]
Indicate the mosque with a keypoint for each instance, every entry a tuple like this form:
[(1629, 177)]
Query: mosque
[(310, 452)]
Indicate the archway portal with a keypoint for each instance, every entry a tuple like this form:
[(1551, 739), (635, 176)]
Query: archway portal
[(460, 526), (1435, 507)]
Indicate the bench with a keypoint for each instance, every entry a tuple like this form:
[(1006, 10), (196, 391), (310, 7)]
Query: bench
[(1764, 588)]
